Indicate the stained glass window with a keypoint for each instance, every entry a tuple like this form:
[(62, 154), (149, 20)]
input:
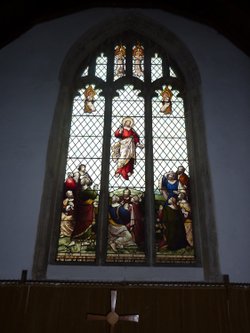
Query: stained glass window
[(128, 117)]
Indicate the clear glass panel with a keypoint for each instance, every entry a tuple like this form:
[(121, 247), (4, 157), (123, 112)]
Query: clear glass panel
[(85, 72), (120, 61), (138, 61), (156, 68), (173, 215), (101, 67), (77, 241), (127, 179), (172, 73)]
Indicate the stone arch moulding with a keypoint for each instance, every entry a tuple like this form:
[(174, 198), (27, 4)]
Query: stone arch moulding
[(205, 231)]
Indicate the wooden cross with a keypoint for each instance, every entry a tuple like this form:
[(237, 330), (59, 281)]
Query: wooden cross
[(112, 317)]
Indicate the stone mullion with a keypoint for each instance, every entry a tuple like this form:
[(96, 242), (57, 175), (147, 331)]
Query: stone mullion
[(149, 171), (102, 230)]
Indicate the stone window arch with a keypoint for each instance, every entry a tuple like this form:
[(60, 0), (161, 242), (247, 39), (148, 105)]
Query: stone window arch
[(129, 28)]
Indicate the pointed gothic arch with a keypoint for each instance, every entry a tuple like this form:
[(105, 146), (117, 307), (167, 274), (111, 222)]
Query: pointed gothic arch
[(78, 55)]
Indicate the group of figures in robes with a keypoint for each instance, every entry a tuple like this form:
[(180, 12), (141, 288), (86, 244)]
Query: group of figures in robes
[(174, 220), (79, 208), (125, 212), (124, 151), (79, 215), (126, 222)]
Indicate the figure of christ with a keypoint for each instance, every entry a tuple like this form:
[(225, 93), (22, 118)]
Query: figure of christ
[(124, 151)]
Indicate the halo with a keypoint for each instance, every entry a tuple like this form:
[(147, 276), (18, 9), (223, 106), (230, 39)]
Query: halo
[(167, 91), (120, 49), (128, 118), (89, 91)]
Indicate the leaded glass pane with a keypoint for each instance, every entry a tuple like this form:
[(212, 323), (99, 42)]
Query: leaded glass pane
[(173, 219), (85, 72), (101, 67), (172, 72), (127, 178), (77, 241), (120, 61), (138, 61), (156, 68)]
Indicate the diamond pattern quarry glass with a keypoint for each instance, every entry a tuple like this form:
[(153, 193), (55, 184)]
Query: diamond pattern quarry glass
[(101, 67), (85, 72), (127, 178), (173, 226), (156, 68), (77, 241)]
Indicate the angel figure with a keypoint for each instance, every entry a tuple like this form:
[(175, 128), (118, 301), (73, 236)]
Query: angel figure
[(89, 94), (120, 53), (138, 55), (167, 95)]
